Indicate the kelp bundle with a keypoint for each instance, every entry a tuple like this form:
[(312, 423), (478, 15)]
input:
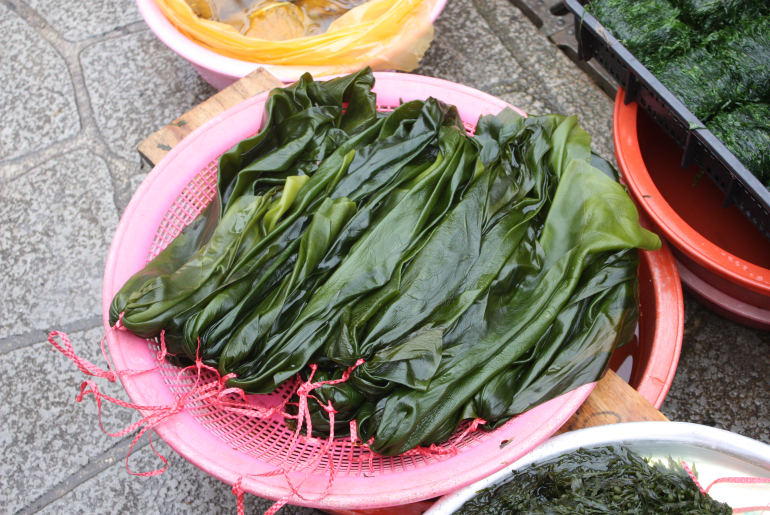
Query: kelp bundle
[(746, 132), (459, 277), (600, 480), (649, 29)]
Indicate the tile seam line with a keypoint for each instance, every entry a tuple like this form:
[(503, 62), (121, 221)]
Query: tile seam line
[(12, 343), (506, 40), (70, 52), (95, 466)]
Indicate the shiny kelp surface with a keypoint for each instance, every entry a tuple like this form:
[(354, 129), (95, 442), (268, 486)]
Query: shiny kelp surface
[(462, 277)]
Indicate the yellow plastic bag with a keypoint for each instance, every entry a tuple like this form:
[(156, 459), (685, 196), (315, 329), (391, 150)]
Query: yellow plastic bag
[(383, 34)]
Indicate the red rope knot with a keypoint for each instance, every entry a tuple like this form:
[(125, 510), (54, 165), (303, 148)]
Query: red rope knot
[(163, 352), (119, 324)]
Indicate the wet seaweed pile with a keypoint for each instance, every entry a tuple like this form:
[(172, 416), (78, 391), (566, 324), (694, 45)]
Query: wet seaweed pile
[(602, 480), (714, 55)]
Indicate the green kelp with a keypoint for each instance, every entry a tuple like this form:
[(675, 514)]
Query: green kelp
[(649, 29), (459, 276), (539, 264), (746, 132), (363, 170), (600, 480)]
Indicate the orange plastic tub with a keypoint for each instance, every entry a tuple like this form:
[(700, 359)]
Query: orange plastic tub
[(723, 259)]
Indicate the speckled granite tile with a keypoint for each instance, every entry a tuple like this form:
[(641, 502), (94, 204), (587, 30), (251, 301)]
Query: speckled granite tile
[(56, 224), (37, 99)]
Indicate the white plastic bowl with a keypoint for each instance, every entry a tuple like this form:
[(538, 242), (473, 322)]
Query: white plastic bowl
[(714, 452), (218, 70)]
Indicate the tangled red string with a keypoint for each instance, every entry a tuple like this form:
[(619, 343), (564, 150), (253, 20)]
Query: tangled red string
[(216, 394), (733, 480)]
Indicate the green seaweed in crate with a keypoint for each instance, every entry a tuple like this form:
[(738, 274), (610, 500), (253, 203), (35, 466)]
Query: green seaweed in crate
[(686, 76), (649, 29), (706, 16), (602, 480), (748, 46), (746, 132)]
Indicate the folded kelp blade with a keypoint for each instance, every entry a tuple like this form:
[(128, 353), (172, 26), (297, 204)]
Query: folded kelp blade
[(150, 309), (600, 316), (303, 123), (327, 222), (371, 264), (589, 214), (378, 159), (178, 252)]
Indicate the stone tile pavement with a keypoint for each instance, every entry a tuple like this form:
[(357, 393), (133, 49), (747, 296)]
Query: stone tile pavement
[(82, 84)]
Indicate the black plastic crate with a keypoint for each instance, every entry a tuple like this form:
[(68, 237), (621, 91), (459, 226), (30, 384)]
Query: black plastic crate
[(699, 145)]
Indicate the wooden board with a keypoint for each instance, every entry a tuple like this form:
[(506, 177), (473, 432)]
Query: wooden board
[(613, 401), (154, 148)]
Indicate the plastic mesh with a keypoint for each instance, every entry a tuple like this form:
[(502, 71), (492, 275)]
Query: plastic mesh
[(269, 440)]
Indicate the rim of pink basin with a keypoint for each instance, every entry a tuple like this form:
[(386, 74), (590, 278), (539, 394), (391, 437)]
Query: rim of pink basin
[(208, 59), (187, 437)]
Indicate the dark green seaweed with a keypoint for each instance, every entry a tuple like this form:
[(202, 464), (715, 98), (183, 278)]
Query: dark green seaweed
[(597, 481), (702, 80), (649, 29), (707, 16), (746, 132), (473, 276)]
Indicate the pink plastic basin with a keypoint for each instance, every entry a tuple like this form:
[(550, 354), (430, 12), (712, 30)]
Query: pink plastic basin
[(169, 198), (230, 447), (218, 70)]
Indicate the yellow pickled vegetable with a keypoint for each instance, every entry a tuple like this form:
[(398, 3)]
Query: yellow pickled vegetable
[(279, 21), (274, 20)]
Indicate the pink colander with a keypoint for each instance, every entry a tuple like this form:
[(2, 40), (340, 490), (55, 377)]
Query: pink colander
[(246, 450)]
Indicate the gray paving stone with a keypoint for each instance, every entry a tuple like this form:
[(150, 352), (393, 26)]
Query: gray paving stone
[(56, 224), (76, 21), (465, 50), (44, 434), (182, 489), (722, 378), (37, 103), (137, 85)]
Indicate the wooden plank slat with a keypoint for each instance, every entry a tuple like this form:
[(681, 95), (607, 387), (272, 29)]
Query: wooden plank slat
[(154, 148), (613, 401)]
